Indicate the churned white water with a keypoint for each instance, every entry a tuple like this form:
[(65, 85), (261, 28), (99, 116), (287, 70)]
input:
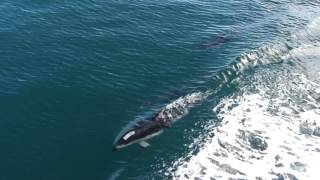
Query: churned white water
[(270, 128)]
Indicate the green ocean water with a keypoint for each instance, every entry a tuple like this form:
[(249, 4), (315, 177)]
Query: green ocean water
[(73, 74)]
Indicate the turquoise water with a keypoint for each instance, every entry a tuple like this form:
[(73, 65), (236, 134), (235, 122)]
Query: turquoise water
[(75, 73)]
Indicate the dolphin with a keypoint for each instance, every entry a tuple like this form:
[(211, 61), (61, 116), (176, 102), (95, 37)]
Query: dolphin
[(140, 132), (215, 42), (156, 124)]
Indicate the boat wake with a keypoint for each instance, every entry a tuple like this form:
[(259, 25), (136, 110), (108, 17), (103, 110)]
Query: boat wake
[(270, 127)]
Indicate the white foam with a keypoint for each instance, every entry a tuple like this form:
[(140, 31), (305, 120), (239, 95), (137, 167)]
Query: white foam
[(229, 154), (270, 129)]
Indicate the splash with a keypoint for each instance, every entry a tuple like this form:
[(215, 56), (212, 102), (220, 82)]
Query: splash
[(270, 127)]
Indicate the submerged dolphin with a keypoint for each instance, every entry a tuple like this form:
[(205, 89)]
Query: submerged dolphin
[(215, 42), (155, 125)]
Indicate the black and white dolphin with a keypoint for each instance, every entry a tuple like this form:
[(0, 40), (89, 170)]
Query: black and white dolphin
[(143, 130)]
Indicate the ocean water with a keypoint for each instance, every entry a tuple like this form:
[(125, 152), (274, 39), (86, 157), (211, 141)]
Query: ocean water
[(73, 74)]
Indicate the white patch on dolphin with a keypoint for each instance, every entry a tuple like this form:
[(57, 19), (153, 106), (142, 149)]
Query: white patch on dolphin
[(127, 136)]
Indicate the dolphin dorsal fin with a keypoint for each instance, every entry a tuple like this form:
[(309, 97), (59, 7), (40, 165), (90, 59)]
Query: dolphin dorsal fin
[(144, 144)]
